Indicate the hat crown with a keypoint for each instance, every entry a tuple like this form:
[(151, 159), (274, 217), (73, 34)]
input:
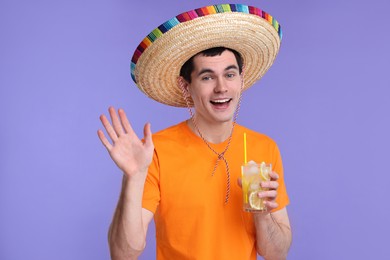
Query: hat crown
[(157, 60)]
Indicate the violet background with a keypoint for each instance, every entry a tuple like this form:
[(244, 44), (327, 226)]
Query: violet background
[(325, 101)]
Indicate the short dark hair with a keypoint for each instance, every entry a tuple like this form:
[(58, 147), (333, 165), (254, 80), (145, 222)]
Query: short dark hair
[(188, 66)]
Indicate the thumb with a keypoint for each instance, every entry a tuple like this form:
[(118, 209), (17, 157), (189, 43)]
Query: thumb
[(239, 182), (148, 135)]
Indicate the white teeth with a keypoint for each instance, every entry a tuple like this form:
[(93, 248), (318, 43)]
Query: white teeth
[(221, 100)]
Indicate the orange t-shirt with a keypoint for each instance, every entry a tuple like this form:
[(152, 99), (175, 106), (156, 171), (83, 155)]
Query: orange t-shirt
[(191, 217)]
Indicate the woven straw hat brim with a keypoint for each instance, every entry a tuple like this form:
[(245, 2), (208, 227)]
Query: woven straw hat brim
[(158, 68)]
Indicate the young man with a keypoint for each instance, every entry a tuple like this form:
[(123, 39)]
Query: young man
[(182, 175)]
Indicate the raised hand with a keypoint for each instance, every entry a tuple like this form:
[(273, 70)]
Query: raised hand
[(131, 154)]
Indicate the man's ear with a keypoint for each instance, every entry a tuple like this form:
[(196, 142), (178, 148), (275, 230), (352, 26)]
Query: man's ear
[(183, 85)]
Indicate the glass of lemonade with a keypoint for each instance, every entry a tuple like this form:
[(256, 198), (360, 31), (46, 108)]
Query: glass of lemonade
[(252, 175)]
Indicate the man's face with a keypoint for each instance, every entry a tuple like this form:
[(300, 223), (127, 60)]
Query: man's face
[(215, 87)]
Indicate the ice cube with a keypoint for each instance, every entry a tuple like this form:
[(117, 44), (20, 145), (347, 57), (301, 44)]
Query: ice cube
[(253, 169)]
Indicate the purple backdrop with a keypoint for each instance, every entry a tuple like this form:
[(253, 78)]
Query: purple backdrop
[(325, 101)]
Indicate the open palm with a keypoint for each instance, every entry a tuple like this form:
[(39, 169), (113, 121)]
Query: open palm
[(131, 154)]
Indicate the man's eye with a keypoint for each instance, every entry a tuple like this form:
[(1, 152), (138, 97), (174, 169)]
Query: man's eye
[(206, 78), (230, 75)]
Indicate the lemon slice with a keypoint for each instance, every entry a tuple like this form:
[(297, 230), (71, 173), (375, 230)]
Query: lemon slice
[(264, 172), (265, 175), (255, 202)]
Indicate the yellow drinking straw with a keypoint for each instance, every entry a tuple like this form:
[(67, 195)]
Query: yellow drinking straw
[(245, 148)]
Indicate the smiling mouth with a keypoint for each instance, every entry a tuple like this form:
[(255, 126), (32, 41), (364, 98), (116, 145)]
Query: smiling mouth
[(220, 102)]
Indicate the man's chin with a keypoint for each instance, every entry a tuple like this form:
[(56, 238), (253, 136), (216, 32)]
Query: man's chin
[(224, 119)]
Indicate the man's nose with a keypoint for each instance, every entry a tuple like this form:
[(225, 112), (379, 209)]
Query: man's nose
[(220, 86)]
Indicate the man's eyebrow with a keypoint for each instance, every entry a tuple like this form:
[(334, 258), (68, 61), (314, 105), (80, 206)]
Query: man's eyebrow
[(211, 71), (231, 67), (205, 71)]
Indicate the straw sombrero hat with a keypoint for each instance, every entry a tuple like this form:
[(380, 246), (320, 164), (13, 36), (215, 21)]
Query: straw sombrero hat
[(156, 63)]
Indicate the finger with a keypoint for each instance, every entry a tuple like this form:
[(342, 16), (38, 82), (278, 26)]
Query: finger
[(273, 185), (270, 194), (104, 140), (116, 123), (125, 122), (271, 205), (148, 136), (110, 131), (274, 176)]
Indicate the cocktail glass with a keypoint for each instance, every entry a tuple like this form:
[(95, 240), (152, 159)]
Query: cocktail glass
[(252, 175)]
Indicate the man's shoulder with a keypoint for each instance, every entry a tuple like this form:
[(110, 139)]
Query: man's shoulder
[(253, 134), (171, 130), (171, 133), (173, 140)]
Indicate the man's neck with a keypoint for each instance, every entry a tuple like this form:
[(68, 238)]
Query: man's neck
[(213, 133)]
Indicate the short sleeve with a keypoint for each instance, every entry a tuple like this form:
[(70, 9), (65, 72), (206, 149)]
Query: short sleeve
[(282, 198)]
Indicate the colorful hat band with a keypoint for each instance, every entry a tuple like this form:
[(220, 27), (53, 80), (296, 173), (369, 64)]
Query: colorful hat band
[(193, 14)]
